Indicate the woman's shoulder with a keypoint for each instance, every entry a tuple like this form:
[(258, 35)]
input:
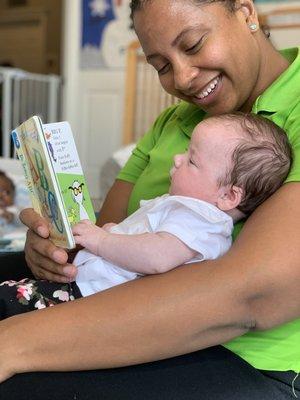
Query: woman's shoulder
[(181, 116)]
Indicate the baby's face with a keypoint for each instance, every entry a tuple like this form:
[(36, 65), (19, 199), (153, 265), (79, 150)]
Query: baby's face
[(196, 173), (6, 192)]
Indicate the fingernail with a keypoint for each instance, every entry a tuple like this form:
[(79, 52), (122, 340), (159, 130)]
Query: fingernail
[(69, 271), (42, 231), (58, 256)]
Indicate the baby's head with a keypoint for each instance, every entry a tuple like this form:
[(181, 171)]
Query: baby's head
[(235, 161), (7, 190)]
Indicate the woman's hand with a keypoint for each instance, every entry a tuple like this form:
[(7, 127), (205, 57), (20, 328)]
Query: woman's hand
[(45, 260)]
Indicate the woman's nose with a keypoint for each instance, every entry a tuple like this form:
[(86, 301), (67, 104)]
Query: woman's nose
[(184, 75)]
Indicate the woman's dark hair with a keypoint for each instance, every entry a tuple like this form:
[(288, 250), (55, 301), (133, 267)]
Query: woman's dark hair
[(136, 5)]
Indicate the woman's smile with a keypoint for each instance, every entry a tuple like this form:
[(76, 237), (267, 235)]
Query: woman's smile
[(210, 92)]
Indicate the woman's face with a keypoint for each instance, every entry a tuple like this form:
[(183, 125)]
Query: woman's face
[(203, 53)]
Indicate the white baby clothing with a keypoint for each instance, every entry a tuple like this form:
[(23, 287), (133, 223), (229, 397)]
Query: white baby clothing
[(200, 225)]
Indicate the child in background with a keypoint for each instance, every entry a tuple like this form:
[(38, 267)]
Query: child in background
[(234, 163), (8, 212)]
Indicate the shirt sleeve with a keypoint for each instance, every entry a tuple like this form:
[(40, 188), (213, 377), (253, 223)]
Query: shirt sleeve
[(140, 154), (210, 238)]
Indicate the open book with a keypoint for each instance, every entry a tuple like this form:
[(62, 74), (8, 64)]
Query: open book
[(54, 176)]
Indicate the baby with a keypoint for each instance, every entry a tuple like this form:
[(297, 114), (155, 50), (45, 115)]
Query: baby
[(7, 194), (234, 163)]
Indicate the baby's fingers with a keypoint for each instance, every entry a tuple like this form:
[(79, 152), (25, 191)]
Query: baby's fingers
[(81, 227), (86, 222)]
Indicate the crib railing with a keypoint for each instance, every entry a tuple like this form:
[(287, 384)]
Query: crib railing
[(23, 94)]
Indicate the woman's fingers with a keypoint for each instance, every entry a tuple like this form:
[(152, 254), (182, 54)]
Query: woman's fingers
[(34, 222), (47, 261), (52, 274)]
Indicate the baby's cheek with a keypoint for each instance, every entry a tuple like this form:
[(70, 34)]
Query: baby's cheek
[(9, 201)]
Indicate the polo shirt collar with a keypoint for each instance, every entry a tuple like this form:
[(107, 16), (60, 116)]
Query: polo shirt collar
[(283, 88), (189, 116)]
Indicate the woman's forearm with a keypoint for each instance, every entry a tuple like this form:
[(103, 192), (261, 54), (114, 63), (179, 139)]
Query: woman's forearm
[(114, 208), (254, 286), (132, 323)]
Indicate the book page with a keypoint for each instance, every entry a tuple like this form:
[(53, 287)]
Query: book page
[(66, 164)]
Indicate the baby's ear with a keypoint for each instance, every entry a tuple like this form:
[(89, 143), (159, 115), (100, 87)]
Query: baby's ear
[(229, 197)]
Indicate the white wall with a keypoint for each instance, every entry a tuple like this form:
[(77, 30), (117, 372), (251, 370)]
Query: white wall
[(92, 102)]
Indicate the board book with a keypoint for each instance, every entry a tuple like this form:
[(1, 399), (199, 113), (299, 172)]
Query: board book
[(54, 176)]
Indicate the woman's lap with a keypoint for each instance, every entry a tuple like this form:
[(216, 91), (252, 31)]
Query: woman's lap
[(13, 266), (213, 373)]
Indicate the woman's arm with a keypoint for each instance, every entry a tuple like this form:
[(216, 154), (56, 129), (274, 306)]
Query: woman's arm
[(254, 286), (47, 261), (114, 208)]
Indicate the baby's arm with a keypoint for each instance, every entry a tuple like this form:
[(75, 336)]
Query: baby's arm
[(147, 253)]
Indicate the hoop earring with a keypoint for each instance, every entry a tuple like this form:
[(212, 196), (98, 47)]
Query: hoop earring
[(253, 27)]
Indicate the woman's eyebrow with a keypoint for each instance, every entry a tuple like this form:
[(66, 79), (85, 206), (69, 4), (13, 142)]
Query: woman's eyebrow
[(175, 41), (183, 33)]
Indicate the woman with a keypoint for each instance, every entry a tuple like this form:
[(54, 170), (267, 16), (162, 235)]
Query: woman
[(213, 55)]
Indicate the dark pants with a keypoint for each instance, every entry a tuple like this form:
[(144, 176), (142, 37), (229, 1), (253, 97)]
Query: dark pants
[(211, 374)]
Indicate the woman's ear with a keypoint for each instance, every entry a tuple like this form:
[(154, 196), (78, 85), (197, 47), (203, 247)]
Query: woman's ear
[(246, 7), (229, 197)]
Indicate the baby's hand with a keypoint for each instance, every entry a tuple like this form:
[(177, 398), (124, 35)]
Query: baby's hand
[(89, 236)]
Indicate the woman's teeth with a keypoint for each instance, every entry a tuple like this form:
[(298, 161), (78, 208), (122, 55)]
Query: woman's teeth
[(210, 88)]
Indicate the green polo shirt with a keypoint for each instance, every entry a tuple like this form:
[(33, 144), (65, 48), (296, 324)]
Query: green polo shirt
[(148, 168)]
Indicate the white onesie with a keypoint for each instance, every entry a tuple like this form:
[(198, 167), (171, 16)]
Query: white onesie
[(200, 225)]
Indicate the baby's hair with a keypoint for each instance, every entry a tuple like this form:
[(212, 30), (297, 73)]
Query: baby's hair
[(260, 162), (4, 176)]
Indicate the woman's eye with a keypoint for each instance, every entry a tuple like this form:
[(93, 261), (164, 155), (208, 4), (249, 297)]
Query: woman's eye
[(164, 69), (191, 162), (193, 49)]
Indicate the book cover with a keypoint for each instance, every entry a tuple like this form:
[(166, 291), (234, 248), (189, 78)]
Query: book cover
[(54, 176)]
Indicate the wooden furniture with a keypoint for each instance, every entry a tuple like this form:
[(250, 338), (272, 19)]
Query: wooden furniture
[(281, 18), (283, 24), (31, 35), (144, 96)]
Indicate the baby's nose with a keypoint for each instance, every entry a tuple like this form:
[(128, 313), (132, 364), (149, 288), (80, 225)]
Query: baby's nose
[(178, 160)]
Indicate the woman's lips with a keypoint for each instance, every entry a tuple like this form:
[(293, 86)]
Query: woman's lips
[(209, 93)]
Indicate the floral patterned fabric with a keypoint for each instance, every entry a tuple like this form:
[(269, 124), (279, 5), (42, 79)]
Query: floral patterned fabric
[(29, 295)]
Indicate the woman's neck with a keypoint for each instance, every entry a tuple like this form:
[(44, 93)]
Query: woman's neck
[(273, 64)]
